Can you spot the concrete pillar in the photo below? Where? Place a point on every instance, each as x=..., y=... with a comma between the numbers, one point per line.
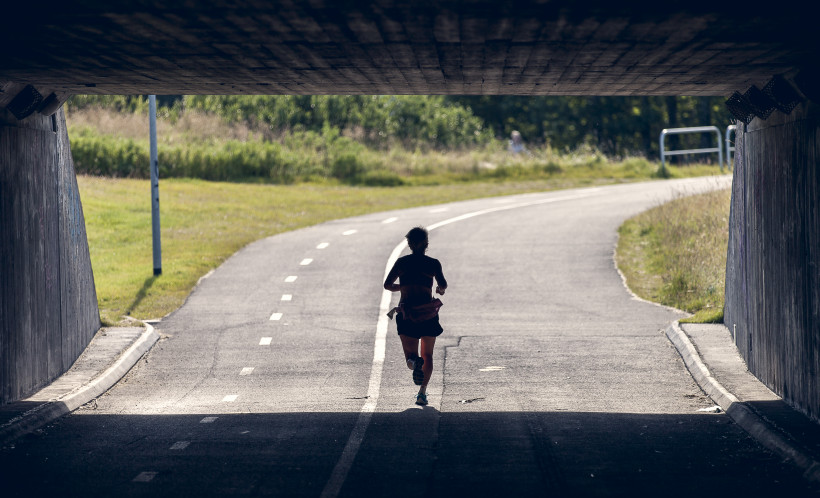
x=773, y=266
x=48, y=303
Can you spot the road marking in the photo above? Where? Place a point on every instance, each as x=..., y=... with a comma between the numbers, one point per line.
x=492, y=368
x=306, y=262
x=349, y=232
x=390, y=220
x=274, y=317
x=230, y=398
x=290, y=279
x=246, y=371
x=439, y=210
x=354, y=442
x=265, y=341
x=322, y=245
x=287, y=297
x=144, y=477
x=179, y=445
x=208, y=420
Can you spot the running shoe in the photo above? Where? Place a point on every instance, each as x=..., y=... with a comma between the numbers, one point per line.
x=418, y=375
x=421, y=399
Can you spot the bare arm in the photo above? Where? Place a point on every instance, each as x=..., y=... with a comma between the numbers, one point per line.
x=440, y=280
x=389, y=282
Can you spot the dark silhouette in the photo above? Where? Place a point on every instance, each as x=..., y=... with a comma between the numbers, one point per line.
x=417, y=313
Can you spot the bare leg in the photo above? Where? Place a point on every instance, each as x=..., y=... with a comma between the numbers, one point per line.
x=427, y=345
x=410, y=345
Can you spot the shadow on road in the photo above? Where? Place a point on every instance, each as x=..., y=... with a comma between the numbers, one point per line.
x=416, y=452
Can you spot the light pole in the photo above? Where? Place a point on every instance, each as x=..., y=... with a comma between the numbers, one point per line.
x=152, y=126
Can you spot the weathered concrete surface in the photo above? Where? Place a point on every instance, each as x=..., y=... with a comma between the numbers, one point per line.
x=555, y=47
x=110, y=355
x=711, y=356
x=48, y=304
x=773, y=267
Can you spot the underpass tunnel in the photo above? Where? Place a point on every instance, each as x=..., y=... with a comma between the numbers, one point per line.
x=759, y=61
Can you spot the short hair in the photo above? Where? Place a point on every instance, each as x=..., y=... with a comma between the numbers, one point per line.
x=417, y=238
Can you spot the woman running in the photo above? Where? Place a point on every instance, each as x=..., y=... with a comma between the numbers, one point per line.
x=417, y=317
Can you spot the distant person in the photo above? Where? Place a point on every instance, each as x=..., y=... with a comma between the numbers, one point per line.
x=417, y=312
x=516, y=143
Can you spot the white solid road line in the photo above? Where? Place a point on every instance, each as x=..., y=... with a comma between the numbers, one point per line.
x=323, y=245
x=389, y=220
x=290, y=279
x=349, y=232
x=229, y=398
x=208, y=420
x=179, y=445
x=265, y=341
x=276, y=316
x=354, y=442
x=246, y=371
x=306, y=262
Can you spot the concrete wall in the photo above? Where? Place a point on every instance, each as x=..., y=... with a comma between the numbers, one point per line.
x=773, y=267
x=48, y=304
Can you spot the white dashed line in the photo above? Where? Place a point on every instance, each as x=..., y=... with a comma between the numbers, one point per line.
x=246, y=371
x=322, y=245
x=491, y=368
x=230, y=398
x=349, y=232
x=287, y=297
x=439, y=210
x=274, y=317
x=390, y=220
x=306, y=262
x=179, y=445
x=290, y=279
x=144, y=477
x=208, y=420
x=265, y=341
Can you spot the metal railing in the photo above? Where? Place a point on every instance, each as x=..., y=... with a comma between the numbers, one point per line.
x=730, y=149
x=695, y=129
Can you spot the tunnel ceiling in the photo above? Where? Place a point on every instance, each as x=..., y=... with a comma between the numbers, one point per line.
x=401, y=47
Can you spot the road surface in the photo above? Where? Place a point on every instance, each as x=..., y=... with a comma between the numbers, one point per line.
x=550, y=378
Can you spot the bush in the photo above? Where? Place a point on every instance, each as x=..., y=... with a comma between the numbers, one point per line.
x=380, y=178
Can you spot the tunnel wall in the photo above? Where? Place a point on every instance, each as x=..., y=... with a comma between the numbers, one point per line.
x=48, y=303
x=773, y=265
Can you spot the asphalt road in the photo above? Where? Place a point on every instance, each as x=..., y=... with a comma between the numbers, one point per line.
x=550, y=378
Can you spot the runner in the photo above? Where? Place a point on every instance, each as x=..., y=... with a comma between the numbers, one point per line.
x=417, y=312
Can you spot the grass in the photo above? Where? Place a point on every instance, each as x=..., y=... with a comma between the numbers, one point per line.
x=203, y=223
x=675, y=254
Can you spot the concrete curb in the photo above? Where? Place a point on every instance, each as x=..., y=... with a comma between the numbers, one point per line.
x=738, y=411
x=67, y=403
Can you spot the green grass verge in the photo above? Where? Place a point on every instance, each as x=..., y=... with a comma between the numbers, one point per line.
x=675, y=254
x=204, y=222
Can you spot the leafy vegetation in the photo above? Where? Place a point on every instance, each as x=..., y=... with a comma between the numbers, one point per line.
x=675, y=254
x=202, y=145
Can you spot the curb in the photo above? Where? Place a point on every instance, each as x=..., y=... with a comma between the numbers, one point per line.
x=67, y=403
x=738, y=411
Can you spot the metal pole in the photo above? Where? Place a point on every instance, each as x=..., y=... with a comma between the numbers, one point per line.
x=152, y=126
x=663, y=154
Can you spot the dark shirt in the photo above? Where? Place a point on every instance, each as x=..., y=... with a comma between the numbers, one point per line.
x=415, y=273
